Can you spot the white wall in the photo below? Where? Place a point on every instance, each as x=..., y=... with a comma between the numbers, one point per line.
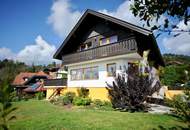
x=121, y=60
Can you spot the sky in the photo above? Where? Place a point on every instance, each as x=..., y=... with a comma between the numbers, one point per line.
x=32, y=30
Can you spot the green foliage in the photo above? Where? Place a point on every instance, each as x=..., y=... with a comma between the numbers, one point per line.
x=167, y=76
x=6, y=107
x=70, y=96
x=14, y=96
x=61, y=100
x=131, y=95
x=9, y=69
x=81, y=101
x=39, y=95
x=66, y=99
x=102, y=105
x=173, y=10
x=83, y=92
x=181, y=105
x=174, y=72
x=98, y=103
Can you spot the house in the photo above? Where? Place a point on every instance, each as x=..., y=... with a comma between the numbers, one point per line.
x=100, y=44
x=56, y=83
x=27, y=82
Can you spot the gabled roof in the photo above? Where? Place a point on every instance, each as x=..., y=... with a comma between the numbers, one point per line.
x=19, y=79
x=103, y=16
x=85, y=17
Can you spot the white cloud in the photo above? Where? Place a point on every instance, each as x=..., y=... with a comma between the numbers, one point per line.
x=182, y=26
x=178, y=45
x=40, y=52
x=6, y=53
x=62, y=17
x=123, y=12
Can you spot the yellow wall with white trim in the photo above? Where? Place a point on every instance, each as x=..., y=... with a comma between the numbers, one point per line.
x=94, y=93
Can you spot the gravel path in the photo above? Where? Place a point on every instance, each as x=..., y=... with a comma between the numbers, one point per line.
x=160, y=109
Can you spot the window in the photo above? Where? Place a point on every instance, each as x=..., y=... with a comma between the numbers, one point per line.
x=95, y=74
x=109, y=40
x=103, y=41
x=79, y=74
x=73, y=74
x=113, y=39
x=89, y=45
x=85, y=73
x=111, y=69
x=82, y=47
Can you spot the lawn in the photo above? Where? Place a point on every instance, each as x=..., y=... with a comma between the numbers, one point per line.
x=41, y=115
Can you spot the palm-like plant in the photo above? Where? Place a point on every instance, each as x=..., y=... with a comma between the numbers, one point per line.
x=131, y=94
x=6, y=107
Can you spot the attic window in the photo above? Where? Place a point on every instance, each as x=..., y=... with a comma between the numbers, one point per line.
x=113, y=39
x=109, y=40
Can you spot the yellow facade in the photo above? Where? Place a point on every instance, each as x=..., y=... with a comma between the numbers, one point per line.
x=94, y=92
x=49, y=92
x=171, y=93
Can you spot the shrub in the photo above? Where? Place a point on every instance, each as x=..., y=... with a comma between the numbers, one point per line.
x=83, y=92
x=132, y=94
x=70, y=96
x=102, y=105
x=81, y=101
x=39, y=95
x=181, y=105
x=98, y=103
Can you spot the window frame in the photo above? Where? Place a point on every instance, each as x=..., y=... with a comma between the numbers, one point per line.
x=83, y=74
x=108, y=73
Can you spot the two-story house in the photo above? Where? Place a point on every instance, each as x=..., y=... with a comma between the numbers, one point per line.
x=99, y=44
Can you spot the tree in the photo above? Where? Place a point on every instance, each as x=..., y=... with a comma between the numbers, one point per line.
x=174, y=11
x=130, y=95
x=181, y=106
x=6, y=107
x=178, y=65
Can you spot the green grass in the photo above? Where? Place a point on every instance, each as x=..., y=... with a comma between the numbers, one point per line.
x=41, y=115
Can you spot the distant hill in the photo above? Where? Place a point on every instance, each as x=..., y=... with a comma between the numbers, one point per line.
x=174, y=59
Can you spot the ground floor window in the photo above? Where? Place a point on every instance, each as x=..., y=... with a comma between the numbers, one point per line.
x=84, y=73
x=111, y=69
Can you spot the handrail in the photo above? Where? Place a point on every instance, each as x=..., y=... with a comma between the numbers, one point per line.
x=117, y=48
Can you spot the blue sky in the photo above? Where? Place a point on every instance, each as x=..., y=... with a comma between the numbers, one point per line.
x=26, y=26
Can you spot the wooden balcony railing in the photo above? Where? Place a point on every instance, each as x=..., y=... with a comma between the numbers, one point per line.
x=55, y=82
x=122, y=47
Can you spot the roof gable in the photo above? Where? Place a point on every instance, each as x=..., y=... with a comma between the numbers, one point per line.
x=92, y=13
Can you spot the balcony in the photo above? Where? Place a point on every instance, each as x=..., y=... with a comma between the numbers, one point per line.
x=55, y=82
x=118, y=48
